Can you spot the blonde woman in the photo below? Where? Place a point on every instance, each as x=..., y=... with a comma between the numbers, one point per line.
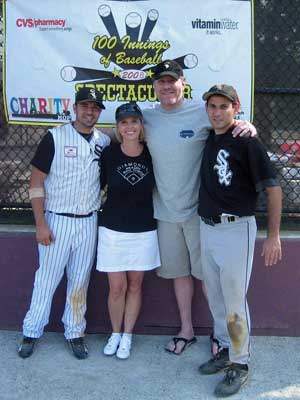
x=128, y=244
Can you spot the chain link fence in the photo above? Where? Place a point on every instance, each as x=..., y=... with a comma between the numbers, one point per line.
x=276, y=112
x=277, y=91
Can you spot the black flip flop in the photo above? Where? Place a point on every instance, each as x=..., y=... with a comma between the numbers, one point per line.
x=215, y=346
x=187, y=343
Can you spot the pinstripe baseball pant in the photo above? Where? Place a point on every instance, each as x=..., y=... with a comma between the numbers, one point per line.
x=74, y=250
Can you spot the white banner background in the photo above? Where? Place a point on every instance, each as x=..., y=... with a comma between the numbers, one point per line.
x=43, y=39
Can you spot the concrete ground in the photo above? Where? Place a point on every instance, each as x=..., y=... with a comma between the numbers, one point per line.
x=52, y=373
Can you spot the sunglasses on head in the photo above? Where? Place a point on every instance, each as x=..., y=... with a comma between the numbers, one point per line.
x=128, y=109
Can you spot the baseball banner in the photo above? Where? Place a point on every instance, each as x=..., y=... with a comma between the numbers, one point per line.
x=52, y=50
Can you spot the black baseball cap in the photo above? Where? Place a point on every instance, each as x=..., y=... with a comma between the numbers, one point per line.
x=89, y=94
x=167, y=68
x=128, y=110
x=222, y=90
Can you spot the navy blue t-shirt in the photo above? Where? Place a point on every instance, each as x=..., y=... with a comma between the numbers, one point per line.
x=130, y=180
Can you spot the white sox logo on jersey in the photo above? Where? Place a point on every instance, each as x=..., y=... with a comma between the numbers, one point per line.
x=98, y=151
x=222, y=168
x=133, y=172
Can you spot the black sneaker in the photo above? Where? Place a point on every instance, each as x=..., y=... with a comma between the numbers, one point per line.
x=236, y=377
x=219, y=362
x=26, y=347
x=79, y=348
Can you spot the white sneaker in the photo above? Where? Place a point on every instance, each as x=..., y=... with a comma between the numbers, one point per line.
x=112, y=344
x=124, y=348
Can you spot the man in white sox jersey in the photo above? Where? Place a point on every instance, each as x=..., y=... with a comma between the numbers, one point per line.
x=233, y=172
x=176, y=131
x=65, y=196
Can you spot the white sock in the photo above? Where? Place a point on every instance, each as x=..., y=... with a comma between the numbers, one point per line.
x=116, y=334
x=127, y=336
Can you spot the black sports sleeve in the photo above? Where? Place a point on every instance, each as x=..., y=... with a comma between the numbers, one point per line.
x=262, y=171
x=44, y=154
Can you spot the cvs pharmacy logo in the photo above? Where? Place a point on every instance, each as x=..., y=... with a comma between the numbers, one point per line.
x=25, y=23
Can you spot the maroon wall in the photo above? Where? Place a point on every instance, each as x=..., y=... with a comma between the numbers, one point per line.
x=273, y=294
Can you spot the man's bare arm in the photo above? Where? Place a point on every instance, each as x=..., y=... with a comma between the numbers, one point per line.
x=272, y=245
x=36, y=188
x=109, y=132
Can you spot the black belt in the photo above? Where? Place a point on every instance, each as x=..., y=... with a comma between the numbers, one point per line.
x=218, y=219
x=73, y=215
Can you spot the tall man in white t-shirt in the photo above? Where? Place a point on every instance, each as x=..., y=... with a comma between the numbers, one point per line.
x=176, y=131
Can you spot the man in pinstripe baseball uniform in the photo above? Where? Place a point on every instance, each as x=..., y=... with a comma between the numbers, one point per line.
x=65, y=196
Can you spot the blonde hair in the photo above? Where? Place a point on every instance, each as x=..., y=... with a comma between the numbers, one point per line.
x=141, y=135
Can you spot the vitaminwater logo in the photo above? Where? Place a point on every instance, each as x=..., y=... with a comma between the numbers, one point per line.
x=215, y=26
x=126, y=62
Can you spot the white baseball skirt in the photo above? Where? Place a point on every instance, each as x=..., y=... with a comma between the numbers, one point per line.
x=124, y=251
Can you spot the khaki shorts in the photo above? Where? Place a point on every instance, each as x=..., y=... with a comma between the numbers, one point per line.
x=179, y=244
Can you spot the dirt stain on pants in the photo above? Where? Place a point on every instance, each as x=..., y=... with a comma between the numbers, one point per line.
x=77, y=302
x=237, y=329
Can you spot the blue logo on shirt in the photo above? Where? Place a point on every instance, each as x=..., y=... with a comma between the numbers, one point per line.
x=187, y=133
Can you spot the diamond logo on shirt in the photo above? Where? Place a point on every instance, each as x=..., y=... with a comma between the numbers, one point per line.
x=133, y=172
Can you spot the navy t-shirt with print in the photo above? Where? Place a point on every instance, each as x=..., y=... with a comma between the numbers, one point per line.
x=130, y=180
x=233, y=172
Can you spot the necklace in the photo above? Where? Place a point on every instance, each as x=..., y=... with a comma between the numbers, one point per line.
x=132, y=151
